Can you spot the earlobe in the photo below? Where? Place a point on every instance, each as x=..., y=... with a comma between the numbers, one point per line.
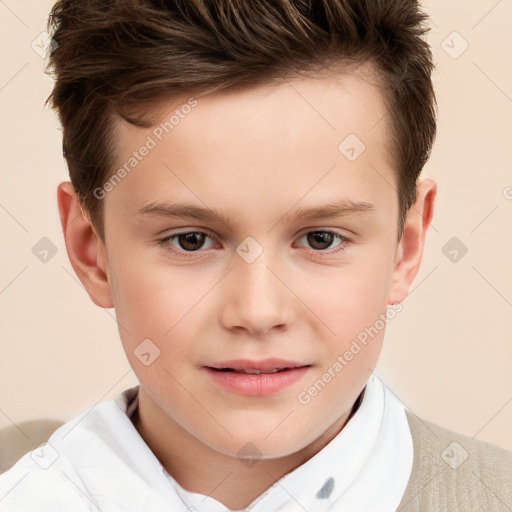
x=86, y=250
x=410, y=248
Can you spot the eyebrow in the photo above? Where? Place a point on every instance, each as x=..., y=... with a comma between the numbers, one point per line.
x=341, y=208
x=336, y=209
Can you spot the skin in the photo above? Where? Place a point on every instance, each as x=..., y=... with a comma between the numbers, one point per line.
x=257, y=154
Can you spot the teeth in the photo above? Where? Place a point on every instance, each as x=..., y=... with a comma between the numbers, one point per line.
x=249, y=370
x=275, y=370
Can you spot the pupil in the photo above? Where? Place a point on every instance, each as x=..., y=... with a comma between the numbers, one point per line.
x=320, y=237
x=191, y=241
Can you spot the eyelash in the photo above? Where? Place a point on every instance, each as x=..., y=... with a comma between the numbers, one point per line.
x=164, y=242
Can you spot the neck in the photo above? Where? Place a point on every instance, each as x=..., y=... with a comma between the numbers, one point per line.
x=199, y=468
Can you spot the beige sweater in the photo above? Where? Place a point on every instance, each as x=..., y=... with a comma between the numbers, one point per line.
x=455, y=473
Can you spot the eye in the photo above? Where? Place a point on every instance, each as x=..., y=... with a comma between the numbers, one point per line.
x=322, y=240
x=187, y=242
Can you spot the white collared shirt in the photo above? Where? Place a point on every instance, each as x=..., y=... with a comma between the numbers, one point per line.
x=99, y=462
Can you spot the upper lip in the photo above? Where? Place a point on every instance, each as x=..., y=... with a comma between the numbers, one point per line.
x=262, y=366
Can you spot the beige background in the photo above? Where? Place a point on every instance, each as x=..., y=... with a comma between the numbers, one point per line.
x=448, y=355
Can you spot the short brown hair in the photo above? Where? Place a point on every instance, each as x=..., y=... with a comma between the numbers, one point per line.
x=113, y=56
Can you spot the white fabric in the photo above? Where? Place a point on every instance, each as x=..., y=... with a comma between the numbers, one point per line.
x=99, y=462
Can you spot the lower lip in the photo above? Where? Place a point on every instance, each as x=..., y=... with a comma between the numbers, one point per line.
x=253, y=384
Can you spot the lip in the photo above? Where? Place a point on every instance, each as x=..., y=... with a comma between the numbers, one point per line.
x=254, y=384
x=263, y=366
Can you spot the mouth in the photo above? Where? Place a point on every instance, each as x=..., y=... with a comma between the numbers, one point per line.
x=266, y=366
x=256, y=378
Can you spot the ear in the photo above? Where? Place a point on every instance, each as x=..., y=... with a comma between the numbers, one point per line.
x=86, y=250
x=410, y=248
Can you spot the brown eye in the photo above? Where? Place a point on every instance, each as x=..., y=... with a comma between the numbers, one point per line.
x=191, y=241
x=188, y=244
x=320, y=240
x=325, y=242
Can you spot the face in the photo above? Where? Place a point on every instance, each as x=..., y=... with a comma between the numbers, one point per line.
x=258, y=227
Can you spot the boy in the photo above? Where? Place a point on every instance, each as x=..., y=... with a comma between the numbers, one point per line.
x=286, y=139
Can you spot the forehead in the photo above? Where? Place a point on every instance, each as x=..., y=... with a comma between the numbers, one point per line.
x=301, y=139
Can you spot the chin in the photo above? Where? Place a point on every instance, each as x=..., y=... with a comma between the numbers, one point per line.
x=255, y=447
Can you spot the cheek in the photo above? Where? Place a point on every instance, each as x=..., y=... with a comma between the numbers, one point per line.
x=350, y=298
x=166, y=306
x=151, y=311
x=151, y=298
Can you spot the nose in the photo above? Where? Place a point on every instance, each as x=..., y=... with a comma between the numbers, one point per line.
x=256, y=297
